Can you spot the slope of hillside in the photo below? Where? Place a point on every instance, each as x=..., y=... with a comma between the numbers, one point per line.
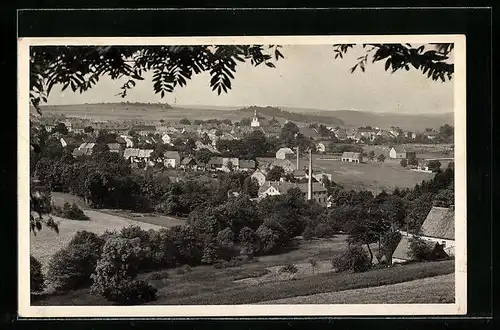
x=325, y=118
x=355, y=118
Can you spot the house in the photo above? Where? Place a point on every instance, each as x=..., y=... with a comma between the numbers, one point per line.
x=260, y=176
x=85, y=149
x=188, y=163
x=215, y=163
x=131, y=154
x=300, y=174
x=352, y=157
x=430, y=135
x=144, y=130
x=144, y=154
x=319, y=193
x=340, y=133
x=128, y=141
x=114, y=147
x=171, y=159
x=438, y=231
x=286, y=164
x=284, y=153
x=398, y=152
x=230, y=164
x=246, y=165
x=320, y=176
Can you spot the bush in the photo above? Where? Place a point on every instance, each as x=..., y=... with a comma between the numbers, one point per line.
x=37, y=280
x=71, y=267
x=115, y=273
x=249, y=241
x=354, y=259
x=268, y=239
x=235, y=262
x=324, y=230
x=68, y=211
x=403, y=162
x=289, y=268
x=419, y=249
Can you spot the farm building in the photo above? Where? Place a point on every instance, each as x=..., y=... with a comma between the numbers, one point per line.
x=438, y=231
x=284, y=153
x=171, y=159
x=231, y=163
x=136, y=154
x=260, y=176
x=215, y=163
x=401, y=153
x=352, y=157
x=114, y=147
x=286, y=164
x=319, y=193
x=246, y=165
x=85, y=149
x=188, y=163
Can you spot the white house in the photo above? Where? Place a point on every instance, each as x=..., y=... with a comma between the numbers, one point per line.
x=438, y=230
x=398, y=152
x=171, y=159
x=284, y=153
x=260, y=176
x=352, y=157
x=319, y=193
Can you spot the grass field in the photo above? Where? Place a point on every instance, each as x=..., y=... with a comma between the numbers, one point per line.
x=208, y=285
x=438, y=289
x=154, y=219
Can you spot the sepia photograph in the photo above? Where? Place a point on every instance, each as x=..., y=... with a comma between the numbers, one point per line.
x=242, y=176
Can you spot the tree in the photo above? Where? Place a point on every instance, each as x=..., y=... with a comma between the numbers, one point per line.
x=60, y=128
x=288, y=134
x=403, y=162
x=251, y=187
x=434, y=165
x=37, y=279
x=371, y=155
x=275, y=173
x=433, y=62
x=184, y=121
x=203, y=155
x=88, y=129
x=381, y=158
x=255, y=144
x=245, y=121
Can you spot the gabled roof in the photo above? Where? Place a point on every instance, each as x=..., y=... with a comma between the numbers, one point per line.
x=299, y=173
x=349, y=154
x=440, y=223
x=285, y=150
x=403, y=249
x=130, y=152
x=188, y=161
x=283, y=187
x=145, y=153
x=172, y=155
x=399, y=149
x=114, y=146
x=215, y=161
x=250, y=164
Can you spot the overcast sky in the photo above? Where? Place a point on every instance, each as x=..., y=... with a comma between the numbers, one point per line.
x=308, y=77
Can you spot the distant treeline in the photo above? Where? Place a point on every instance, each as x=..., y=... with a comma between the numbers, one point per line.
x=292, y=116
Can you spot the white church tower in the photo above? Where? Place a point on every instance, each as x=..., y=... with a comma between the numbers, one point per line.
x=255, y=120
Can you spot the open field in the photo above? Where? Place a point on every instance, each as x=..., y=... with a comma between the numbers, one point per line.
x=154, y=219
x=47, y=242
x=372, y=176
x=438, y=289
x=258, y=280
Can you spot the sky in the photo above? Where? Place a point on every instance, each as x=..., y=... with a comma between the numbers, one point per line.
x=308, y=77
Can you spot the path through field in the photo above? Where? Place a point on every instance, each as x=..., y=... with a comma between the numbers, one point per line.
x=439, y=289
x=47, y=242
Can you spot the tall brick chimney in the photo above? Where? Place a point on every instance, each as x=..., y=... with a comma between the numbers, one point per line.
x=309, y=190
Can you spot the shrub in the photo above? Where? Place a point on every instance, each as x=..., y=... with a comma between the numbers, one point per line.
x=69, y=211
x=189, y=247
x=225, y=237
x=324, y=230
x=289, y=268
x=268, y=238
x=354, y=259
x=37, y=280
x=115, y=273
x=210, y=254
x=419, y=249
x=235, y=262
x=249, y=241
x=71, y=267
x=403, y=162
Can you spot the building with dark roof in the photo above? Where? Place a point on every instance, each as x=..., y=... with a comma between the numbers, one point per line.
x=438, y=231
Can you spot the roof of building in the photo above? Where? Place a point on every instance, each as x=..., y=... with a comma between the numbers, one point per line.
x=244, y=163
x=172, y=155
x=399, y=149
x=299, y=173
x=145, y=153
x=215, y=161
x=282, y=163
x=130, y=152
x=283, y=187
x=349, y=154
x=440, y=223
x=403, y=249
x=114, y=146
x=285, y=150
x=78, y=152
x=187, y=161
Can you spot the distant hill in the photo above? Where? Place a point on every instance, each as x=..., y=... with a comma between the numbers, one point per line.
x=411, y=122
x=157, y=111
x=269, y=112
